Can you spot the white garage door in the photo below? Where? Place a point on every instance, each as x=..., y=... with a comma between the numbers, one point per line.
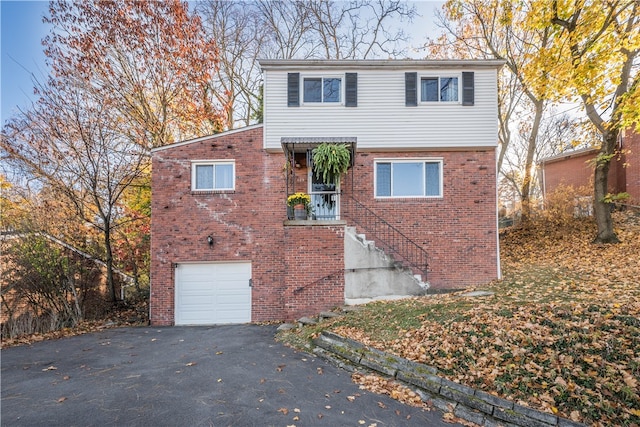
x=209, y=294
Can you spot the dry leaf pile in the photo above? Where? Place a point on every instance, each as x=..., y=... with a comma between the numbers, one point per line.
x=561, y=334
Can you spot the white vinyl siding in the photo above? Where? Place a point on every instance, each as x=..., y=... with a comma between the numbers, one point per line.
x=381, y=119
x=209, y=175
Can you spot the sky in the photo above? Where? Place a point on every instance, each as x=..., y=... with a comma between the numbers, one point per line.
x=21, y=51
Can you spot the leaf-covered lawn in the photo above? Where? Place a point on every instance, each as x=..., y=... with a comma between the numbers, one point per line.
x=561, y=333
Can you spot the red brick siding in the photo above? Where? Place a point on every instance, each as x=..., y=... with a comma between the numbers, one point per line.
x=314, y=259
x=458, y=230
x=577, y=170
x=246, y=224
x=298, y=270
x=631, y=143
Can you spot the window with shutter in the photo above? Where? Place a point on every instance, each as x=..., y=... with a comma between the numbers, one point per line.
x=321, y=90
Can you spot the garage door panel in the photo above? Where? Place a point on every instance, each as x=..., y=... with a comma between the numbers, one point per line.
x=213, y=293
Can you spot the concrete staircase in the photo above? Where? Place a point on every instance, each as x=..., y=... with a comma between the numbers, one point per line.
x=371, y=274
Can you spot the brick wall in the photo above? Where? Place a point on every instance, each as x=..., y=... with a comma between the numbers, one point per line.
x=577, y=170
x=247, y=225
x=297, y=270
x=459, y=230
x=631, y=142
x=314, y=259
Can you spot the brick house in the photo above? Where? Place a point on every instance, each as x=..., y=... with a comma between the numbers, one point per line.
x=420, y=194
x=576, y=168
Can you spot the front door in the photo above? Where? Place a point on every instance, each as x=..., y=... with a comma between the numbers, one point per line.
x=325, y=198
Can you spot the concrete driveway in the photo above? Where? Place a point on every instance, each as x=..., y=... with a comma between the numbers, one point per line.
x=187, y=376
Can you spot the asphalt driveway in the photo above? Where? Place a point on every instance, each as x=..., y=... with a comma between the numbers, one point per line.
x=187, y=376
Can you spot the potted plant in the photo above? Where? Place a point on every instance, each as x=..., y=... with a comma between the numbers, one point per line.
x=330, y=161
x=300, y=203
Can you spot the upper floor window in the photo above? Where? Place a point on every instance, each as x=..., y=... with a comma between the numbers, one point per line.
x=442, y=89
x=451, y=89
x=322, y=89
x=318, y=90
x=213, y=175
x=408, y=178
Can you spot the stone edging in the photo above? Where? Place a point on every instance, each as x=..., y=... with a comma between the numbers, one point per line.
x=469, y=404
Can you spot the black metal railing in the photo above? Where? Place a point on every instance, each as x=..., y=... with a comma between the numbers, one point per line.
x=387, y=237
x=325, y=205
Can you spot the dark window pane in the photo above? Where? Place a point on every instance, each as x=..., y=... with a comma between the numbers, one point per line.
x=312, y=90
x=429, y=90
x=383, y=179
x=449, y=89
x=433, y=179
x=331, y=88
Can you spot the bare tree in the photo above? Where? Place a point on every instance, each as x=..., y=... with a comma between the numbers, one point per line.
x=321, y=29
x=240, y=35
x=288, y=26
x=359, y=29
x=73, y=141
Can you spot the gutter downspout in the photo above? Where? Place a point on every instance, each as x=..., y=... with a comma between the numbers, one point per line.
x=499, y=267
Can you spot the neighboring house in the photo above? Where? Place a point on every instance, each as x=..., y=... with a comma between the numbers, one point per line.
x=419, y=197
x=576, y=169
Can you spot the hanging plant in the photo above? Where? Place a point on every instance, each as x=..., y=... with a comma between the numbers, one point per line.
x=330, y=161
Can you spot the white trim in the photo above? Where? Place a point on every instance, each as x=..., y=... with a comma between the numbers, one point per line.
x=206, y=138
x=439, y=160
x=350, y=64
x=195, y=163
x=498, y=263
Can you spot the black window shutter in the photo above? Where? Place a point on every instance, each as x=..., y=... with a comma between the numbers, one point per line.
x=293, y=90
x=411, y=89
x=468, y=90
x=351, y=89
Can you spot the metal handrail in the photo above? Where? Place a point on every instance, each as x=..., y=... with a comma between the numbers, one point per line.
x=393, y=241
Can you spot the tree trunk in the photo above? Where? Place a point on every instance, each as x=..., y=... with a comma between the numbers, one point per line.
x=531, y=149
x=109, y=262
x=602, y=210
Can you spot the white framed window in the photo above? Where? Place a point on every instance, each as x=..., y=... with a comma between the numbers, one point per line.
x=321, y=90
x=439, y=89
x=417, y=177
x=210, y=175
